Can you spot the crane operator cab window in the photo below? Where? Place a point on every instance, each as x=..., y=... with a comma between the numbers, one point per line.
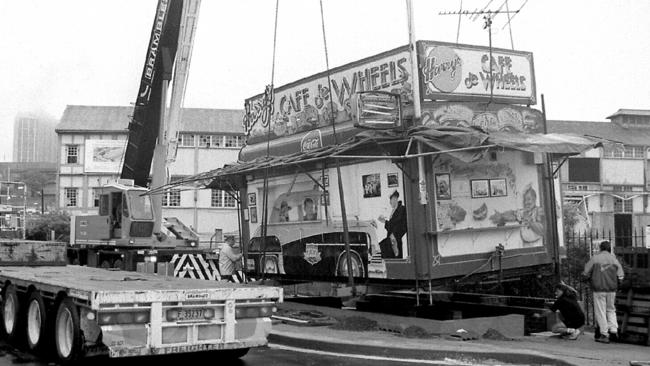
x=119, y=209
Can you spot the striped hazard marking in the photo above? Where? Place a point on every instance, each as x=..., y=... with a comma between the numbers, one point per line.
x=197, y=267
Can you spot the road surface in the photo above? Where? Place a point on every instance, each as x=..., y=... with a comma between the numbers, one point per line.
x=274, y=355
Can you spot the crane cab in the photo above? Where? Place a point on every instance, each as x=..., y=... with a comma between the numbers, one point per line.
x=125, y=218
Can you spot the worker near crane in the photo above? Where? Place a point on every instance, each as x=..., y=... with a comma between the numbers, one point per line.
x=228, y=259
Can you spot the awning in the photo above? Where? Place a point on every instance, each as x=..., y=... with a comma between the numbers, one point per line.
x=465, y=144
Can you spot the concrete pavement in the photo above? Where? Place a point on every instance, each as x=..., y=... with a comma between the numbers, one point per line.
x=508, y=347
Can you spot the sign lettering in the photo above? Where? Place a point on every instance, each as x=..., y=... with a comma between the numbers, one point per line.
x=314, y=104
x=461, y=72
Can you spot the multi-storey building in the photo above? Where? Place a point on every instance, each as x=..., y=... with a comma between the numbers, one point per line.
x=611, y=183
x=34, y=139
x=91, y=149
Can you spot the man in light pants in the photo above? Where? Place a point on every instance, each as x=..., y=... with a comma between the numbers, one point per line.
x=605, y=271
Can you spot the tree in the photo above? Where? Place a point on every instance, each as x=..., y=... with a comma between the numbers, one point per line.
x=36, y=181
x=57, y=221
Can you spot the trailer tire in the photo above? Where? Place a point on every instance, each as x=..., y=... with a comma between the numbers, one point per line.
x=36, y=322
x=67, y=332
x=11, y=313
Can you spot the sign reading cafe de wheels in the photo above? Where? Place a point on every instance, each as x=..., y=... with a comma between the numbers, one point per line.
x=450, y=71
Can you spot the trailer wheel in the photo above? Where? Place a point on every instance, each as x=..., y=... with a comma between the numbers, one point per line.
x=10, y=313
x=342, y=265
x=36, y=322
x=67, y=334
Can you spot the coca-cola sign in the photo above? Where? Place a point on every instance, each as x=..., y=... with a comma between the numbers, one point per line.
x=311, y=141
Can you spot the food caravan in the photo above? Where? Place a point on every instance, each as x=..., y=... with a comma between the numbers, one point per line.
x=481, y=202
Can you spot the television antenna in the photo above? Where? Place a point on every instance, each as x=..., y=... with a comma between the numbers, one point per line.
x=488, y=15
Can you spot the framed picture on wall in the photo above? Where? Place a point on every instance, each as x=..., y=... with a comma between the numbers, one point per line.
x=498, y=187
x=252, y=199
x=371, y=185
x=393, y=180
x=253, y=214
x=443, y=187
x=480, y=188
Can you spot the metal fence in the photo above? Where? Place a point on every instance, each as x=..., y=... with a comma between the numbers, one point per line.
x=629, y=247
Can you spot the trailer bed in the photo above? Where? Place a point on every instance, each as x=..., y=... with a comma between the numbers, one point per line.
x=97, y=286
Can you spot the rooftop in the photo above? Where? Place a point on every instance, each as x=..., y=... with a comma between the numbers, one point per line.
x=630, y=112
x=604, y=130
x=80, y=118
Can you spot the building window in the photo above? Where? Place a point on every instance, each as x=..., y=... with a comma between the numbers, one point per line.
x=621, y=205
x=96, y=193
x=72, y=154
x=187, y=140
x=626, y=152
x=222, y=199
x=204, y=141
x=229, y=200
x=217, y=140
x=71, y=197
x=172, y=198
x=233, y=141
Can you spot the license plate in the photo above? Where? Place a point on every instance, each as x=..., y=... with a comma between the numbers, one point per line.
x=191, y=314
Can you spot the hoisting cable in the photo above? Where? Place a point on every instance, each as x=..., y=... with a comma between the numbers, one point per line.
x=346, y=236
x=269, y=97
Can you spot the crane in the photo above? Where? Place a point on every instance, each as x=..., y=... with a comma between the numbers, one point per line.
x=130, y=226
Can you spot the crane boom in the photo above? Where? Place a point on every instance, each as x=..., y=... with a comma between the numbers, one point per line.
x=150, y=98
x=189, y=21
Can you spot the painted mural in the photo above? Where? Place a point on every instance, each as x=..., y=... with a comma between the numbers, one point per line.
x=310, y=104
x=489, y=117
x=307, y=221
x=499, y=192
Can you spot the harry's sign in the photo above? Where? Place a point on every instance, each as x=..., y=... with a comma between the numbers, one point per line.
x=460, y=72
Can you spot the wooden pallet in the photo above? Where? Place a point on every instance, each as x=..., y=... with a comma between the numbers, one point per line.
x=32, y=253
x=633, y=313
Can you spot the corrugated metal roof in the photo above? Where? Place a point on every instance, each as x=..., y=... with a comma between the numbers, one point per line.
x=81, y=118
x=604, y=130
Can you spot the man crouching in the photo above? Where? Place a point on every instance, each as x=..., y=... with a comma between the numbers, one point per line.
x=572, y=318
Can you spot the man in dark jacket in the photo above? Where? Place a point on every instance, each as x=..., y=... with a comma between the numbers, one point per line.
x=391, y=247
x=571, y=314
x=604, y=271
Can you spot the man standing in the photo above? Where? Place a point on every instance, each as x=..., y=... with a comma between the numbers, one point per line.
x=605, y=271
x=391, y=247
x=228, y=259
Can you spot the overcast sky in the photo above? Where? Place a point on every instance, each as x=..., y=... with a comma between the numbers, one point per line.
x=591, y=57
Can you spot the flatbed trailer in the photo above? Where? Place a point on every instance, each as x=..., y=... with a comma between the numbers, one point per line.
x=89, y=311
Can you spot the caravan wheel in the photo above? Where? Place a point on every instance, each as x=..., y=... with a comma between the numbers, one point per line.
x=342, y=265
